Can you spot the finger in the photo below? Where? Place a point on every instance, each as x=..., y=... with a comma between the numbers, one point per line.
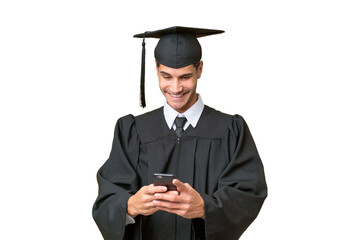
x=168, y=196
x=181, y=187
x=150, y=211
x=174, y=192
x=167, y=204
x=150, y=205
x=179, y=212
x=155, y=189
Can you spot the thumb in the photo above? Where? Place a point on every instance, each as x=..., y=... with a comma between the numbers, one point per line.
x=181, y=187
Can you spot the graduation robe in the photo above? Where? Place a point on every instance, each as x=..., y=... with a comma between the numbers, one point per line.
x=218, y=159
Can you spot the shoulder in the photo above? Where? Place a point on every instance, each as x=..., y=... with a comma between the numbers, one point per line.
x=145, y=126
x=125, y=127
x=220, y=123
x=125, y=121
x=152, y=115
x=140, y=119
x=214, y=114
x=220, y=118
x=151, y=125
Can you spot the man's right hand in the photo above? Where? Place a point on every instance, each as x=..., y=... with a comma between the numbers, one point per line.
x=142, y=201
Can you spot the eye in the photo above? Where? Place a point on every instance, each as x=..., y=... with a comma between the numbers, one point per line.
x=185, y=77
x=165, y=76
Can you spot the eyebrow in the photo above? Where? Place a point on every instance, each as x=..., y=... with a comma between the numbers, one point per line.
x=186, y=75
x=162, y=72
x=181, y=76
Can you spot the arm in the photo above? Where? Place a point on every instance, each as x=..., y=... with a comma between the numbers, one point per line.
x=117, y=181
x=241, y=187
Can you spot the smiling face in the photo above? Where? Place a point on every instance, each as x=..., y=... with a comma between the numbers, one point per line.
x=179, y=85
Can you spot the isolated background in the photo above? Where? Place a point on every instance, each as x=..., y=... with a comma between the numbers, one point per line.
x=69, y=69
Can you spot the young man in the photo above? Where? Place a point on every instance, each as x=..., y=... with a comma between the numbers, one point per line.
x=220, y=182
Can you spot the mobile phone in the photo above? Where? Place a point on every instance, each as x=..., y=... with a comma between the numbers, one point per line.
x=163, y=179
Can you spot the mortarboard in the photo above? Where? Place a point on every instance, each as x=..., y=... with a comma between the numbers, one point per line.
x=178, y=47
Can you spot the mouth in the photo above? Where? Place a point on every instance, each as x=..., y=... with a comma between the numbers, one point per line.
x=176, y=96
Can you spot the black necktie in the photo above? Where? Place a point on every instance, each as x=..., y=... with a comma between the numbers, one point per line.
x=179, y=122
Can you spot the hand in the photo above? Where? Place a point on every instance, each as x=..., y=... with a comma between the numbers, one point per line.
x=185, y=202
x=142, y=201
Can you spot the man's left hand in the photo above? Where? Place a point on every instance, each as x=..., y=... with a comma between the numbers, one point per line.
x=185, y=202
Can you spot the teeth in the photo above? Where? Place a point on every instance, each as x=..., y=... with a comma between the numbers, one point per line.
x=176, y=96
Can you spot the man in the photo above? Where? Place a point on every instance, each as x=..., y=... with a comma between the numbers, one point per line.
x=220, y=184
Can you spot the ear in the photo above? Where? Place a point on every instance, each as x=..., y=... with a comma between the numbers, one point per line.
x=200, y=69
x=157, y=68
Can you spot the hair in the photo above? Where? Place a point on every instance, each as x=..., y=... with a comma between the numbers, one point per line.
x=196, y=65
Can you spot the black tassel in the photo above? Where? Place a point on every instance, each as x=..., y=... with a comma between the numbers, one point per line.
x=142, y=77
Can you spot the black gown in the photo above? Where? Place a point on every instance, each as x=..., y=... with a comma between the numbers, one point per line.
x=218, y=158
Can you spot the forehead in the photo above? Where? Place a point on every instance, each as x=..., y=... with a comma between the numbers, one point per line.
x=177, y=71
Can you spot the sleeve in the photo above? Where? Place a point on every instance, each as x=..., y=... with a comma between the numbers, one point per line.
x=117, y=181
x=241, y=187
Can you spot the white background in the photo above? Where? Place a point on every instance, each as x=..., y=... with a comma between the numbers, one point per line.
x=69, y=69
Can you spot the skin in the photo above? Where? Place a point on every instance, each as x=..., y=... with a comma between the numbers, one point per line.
x=185, y=202
x=179, y=85
x=179, y=89
x=142, y=202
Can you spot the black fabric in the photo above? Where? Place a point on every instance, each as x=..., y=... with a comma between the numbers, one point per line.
x=218, y=158
x=178, y=46
x=178, y=50
x=197, y=32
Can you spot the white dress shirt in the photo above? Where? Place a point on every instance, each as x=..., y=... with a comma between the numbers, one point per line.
x=192, y=114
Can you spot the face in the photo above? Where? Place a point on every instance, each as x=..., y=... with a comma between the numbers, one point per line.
x=179, y=85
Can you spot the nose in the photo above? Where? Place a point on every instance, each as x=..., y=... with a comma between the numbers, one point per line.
x=176, y=86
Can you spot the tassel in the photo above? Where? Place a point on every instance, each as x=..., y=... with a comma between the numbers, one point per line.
x=142, y=77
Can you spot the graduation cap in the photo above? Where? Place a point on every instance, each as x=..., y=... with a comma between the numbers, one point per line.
x=178, y=47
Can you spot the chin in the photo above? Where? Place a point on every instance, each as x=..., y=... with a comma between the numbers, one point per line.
x=181, y=104
x=177, y=106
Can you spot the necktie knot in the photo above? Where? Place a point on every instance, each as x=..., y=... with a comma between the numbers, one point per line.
x=179, y=123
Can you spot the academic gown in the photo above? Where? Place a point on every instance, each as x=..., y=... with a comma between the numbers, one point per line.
x=218, y=159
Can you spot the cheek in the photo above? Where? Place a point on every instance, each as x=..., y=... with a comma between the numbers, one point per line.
x=192, y=85
x=162, y=85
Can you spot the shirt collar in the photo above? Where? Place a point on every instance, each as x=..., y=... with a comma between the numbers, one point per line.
x=192, y=114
